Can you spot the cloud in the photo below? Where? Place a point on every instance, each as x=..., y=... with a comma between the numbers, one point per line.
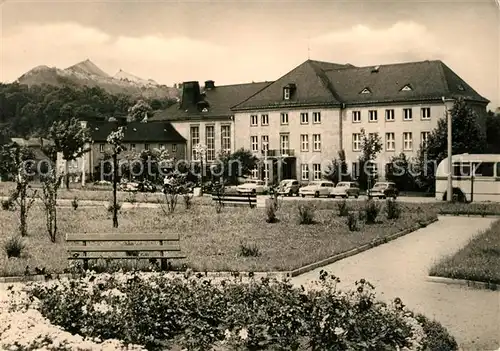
x=360, y=44
x=64, y=44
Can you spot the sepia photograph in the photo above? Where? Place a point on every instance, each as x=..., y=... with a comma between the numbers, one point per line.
x=261, y=175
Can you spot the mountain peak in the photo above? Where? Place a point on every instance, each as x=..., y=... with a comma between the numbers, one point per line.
x=125, y=76
x=88, y=67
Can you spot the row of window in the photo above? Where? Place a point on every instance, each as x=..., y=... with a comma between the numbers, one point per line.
x=285, y=142
x=304, y=119
x=133, y=147
x=481, y=169
x=425, y=113
x=390, y=140
x=210, y=141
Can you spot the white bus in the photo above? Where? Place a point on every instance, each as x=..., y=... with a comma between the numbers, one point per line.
x=475, y=177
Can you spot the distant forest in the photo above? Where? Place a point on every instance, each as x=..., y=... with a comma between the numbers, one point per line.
x=30, y=111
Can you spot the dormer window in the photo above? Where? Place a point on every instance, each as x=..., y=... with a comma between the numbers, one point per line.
x=461, y=87
x=407, y=87
x=365, y=91
x=204, y=109
x=286, y=93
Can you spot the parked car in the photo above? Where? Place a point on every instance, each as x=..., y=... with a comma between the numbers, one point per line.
x=289, y=187
x=317, y=188
x=346, y=189
x=383, y=190
x=251, y=186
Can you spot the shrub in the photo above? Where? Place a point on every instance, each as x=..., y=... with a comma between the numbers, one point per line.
x=271, y=213
x=306, y=214
x=8, y=205
x=393, y=209
x=74, y=203
x=371, y=210
x=353, y=222
x=438, y=337
x=249, y=250
x=111, y=207
x=14, y=246
x=343, y=208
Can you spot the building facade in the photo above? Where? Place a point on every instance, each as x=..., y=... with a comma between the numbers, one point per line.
x=311, y=113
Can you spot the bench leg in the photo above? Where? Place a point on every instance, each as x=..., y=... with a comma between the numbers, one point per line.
x=164, y=264
x=85, y=264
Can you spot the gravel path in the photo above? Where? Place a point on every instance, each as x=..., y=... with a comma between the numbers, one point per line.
x=399, y=269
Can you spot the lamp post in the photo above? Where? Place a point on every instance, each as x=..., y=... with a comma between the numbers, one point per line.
x=266, y=173
x=448, y=105
x=201, y=150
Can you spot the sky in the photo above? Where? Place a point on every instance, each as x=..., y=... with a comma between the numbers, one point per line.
x=236, y=42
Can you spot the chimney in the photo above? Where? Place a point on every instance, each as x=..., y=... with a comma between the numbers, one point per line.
x=209, y=85
x=190, y=94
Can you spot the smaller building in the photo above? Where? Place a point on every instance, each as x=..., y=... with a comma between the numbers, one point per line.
x=138, y=136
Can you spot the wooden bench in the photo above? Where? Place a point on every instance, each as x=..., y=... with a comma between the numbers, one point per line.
x=237, y=199
x=168, y=247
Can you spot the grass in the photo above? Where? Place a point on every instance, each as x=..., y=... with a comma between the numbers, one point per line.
x=211, y=241
x=479, y=260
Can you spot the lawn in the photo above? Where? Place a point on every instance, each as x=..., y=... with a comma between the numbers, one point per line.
x=479, y=260
x=211, y=241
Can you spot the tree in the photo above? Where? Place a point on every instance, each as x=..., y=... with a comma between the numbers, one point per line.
x=400, y=170
x=467, y=137
x=337, y=171
x=115, y=139
x=231, y=166
x=50, y=185
x=140, y=110
x=371, y=145
x=70, y=139
x=493, y=132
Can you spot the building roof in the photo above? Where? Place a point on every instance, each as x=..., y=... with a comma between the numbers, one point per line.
x=31, y=142
x=311, y=84
x=321, y=83
x=137, y=132
x=220, y=100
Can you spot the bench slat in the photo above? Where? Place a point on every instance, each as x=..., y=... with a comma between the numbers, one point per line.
x=245, y=197
x=127, y=257
x=123, y=248
x=121, y=237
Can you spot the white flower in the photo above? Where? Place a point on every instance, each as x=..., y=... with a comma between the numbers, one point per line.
x=227, y=334
x=338, y=331
x=102, y=307
x=243, y=334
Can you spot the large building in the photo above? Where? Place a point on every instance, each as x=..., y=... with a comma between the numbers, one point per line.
x=311, y=113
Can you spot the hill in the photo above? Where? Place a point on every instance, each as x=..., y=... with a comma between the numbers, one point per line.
x=86, y=73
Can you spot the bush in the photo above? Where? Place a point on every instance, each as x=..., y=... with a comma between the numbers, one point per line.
x=371, y=211
x=249, y=250
x=343, y=208
x=353, y=222
x=111, y=207
x=438, y=337
x=306, y=214
x=14, y=246
x=8, y=205
x=74, y=203
x=393, y=209
x=168, y=311
x=271, y=213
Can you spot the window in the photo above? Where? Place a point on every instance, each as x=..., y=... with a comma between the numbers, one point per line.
x=210, y=142
x=284, y=118
x=407, y=141
x=304, y=118
x=304, y=142
x=389, y=115
x=284, y=143
x=461, y=169
x=146, y=146
x=174, y=147
x=424, y=136
x=286, y=93
x=484, y=169
x=160, y=146
x=317, y=142
x=316, y=117
x=101, y=147
x=254, y=120
x=316, y=171
x=407, y=116
x=356, y=141
x=372, y=116
x=425, y=112
x=195, y=140
x=390, y=141
x=254, y=142
x=355, y=170
x=264, y=120
x=132, y=147
x=265, y=142
x=255, y=173
x=406, y=88
x=266, y=170
x=356, y=116
x=498, y=169
x=226, y=138
x=304, y=171
x=365, y=91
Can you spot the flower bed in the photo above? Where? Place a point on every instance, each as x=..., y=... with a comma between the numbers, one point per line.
x=167, y=311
